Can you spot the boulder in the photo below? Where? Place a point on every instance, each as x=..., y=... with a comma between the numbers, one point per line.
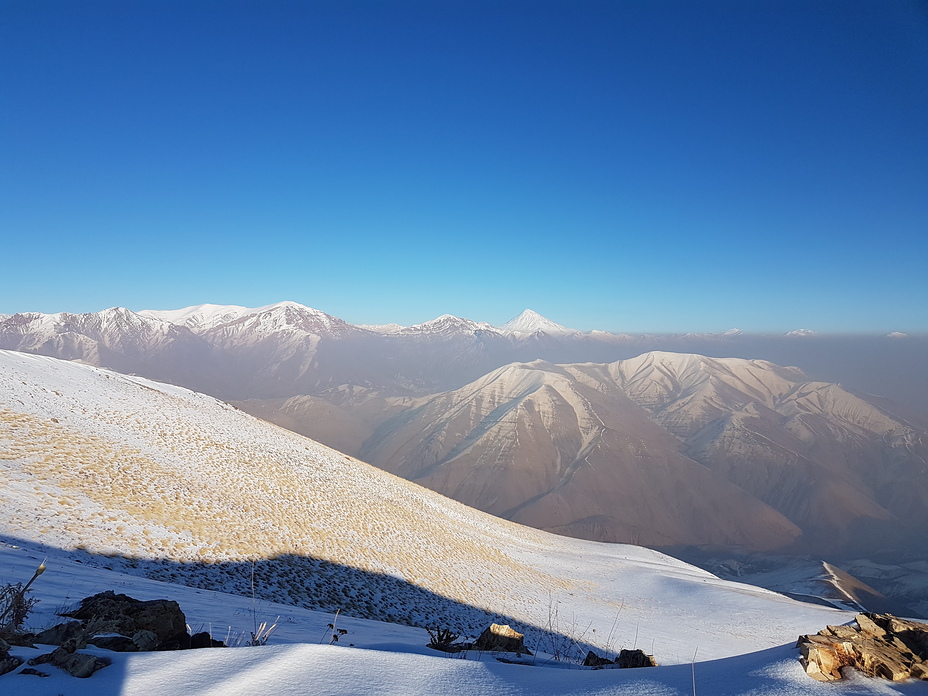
x=880, y=645
x=70, y=631
x=501, y=638
x=179, y=641
x=594, y=660
x=9, y=662
x=628, y=659
x=126, y=615
x=205, y=640
x=115, y=642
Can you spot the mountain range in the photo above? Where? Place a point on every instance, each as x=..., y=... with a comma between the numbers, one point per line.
x=149, y=479
x=579, y=433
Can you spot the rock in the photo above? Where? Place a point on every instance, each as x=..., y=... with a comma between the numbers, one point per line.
x=76, y=664
x=116, y=643
x=205, y=640
x=12, y=637
x=81, y=665
x=8, y=663
x=55, y=657
x=70, y=631
x=880, y=645
x=841, y=631
x=145, y=640
x=594, y=660
x=34, y=672
x=629, y=659
x=180, y=641
x=501, y=638
x=126, y=615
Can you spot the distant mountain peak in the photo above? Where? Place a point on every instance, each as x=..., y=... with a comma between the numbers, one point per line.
x=801, y=332
x=530, y=321
x=447, y=324
x=201, y=316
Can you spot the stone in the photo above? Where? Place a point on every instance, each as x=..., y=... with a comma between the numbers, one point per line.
x=116, y=643
x=81, y=665
x=8, y=663
x=76, y=664
x=869, y=626
x=180, y=641
x=594, y=660
x=70, y=631
x=501, y=638
x=880, y=645
x=628, y=659
x=205, y=640
x=145, y=640
x=33, y=672
x=126, y=615
x=841, y=631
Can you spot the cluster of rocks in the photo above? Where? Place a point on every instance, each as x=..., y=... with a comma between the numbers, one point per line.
x=626, y=659
x=7, y=662
x=880, y=645
x=113, y=622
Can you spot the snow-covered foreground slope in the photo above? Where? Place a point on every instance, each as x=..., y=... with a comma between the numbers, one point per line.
x=383, y=658
x=195, y=490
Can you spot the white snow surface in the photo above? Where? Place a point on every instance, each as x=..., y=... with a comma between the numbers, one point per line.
x=371, y=658
x=126, y=466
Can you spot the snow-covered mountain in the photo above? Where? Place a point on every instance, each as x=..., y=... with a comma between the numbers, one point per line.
x=531, y=322
x=237, y=357
x=321, y=376
x=668, y=449
x=155, y=480
x=198, y=317
x=117, y=338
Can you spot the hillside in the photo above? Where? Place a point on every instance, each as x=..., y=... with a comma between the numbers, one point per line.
x=662, y=449
x=155, y=480
x=378, y=658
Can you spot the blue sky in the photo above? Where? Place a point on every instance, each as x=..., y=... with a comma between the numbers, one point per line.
x=628, y=166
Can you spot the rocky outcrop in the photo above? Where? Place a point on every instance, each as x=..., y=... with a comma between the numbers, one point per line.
x=126, y=616
x=880, y=645
x=502, y=638
x=629, y=659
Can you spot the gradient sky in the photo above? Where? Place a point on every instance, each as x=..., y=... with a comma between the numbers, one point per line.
x=628, y=166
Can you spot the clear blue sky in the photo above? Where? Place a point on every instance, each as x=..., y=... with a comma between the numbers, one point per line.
x=630, y=166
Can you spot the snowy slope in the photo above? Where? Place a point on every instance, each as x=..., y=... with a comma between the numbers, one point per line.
x=194, y=491
x=383, y=658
